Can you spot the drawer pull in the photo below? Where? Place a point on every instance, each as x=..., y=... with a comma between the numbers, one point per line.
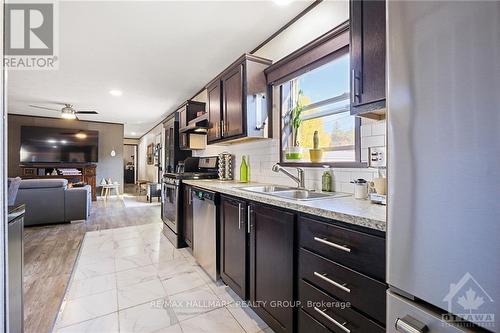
x=337, y=246
x=336, y=284
x=342, y=326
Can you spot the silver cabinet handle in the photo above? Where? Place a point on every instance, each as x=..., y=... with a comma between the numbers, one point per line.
x=336, y=284
x=354, y=87
x=353, y=84
x=337, y=246
x=408, y=324
x=190, y=199
x=249, y=221
x=239, y=215
x=339, y=325
x=223, y=130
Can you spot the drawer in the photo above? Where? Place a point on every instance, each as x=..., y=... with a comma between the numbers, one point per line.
x=337, y=316
x=357, y=250
x=364, y=293
x=307, y=324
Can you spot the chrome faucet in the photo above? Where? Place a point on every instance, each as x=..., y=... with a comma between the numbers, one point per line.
x=299, y=179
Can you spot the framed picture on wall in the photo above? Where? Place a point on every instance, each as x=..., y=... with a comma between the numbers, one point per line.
x=150, y=152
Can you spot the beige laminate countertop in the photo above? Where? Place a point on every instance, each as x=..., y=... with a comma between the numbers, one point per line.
x=345, y=209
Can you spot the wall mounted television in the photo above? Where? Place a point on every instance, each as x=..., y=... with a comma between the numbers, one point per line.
x=58, y=145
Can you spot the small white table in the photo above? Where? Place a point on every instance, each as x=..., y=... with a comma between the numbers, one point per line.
x=106, y=189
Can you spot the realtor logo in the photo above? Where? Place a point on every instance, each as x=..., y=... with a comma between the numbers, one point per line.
x=30, y=35
x=468, y=300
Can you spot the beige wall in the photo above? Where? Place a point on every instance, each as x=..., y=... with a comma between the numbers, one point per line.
x=127, y=141
x=110, y=137
x=149, y=172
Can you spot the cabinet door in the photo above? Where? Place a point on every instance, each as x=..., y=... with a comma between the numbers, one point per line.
x=234, y=245
x=232, y=84
x=271, y=265
x=214, y=112
x=368, y=51
x=182, y=117
x=188, y=216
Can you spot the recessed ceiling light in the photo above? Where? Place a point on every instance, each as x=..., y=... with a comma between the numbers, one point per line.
x=282, y=2
x=133, y=133
x=115, y=92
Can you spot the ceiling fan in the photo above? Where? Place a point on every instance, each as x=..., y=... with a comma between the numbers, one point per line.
x=67, y=111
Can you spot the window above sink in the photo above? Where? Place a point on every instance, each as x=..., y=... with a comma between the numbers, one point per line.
x=312, y=86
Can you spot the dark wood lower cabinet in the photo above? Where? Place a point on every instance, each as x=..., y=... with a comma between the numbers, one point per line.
x=307, y=324
x=294, y=272
x=335, y=314
x=233, y=265
x=272, y=265
x=187, y=226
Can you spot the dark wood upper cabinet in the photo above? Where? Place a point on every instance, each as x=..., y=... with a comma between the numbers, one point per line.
x=232, y=92
x=214, y=109
x=187, y=227
x=189, y=111
x=233, y=265
x=272, y=265
x=368, y=53
x=238, y=102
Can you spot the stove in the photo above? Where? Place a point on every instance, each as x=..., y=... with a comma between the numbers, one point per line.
x=172, y=195
x=190, y=175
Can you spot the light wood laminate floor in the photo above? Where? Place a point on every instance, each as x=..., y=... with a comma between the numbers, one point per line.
x=50, y=253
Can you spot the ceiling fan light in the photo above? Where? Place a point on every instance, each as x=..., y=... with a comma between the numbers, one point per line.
x=68, y=115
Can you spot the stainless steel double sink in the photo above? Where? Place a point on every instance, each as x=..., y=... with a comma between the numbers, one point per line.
x=292, y=193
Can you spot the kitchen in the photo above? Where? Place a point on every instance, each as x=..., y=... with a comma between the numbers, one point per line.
x=267, y=216
x=320, y=166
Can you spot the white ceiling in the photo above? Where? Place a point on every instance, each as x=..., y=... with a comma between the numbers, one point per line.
x=158, y=53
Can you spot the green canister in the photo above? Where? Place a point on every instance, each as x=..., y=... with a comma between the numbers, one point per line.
x=326, y=180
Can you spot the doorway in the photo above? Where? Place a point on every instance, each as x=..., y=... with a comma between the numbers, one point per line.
x=129, y=165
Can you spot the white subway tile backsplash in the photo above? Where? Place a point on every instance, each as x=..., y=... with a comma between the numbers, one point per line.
x=264, y=154
x=364, y=154
x=347, y=187
x=362, y=175
x=378, y=128
x=341, y=176
x=366, y=130
x=373, y=141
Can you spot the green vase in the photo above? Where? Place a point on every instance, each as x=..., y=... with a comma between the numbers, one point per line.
x=243, y=170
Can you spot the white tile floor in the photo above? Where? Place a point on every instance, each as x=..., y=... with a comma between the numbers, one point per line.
x=133, y=280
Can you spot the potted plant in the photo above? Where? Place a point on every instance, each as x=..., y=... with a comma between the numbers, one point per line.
x=316, y=153
x=294, y=152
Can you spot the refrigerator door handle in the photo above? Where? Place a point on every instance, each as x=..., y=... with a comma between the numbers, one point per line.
x=408, y=324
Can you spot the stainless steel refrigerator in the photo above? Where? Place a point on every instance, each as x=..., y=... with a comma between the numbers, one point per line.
x=443, y=101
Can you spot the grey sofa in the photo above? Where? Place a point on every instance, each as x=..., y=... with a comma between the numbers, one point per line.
x=52, y=201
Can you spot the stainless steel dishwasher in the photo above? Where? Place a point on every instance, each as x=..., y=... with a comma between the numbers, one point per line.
x=205, y=230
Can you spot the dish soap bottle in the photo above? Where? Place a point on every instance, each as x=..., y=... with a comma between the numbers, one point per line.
x=243, y=170
x=326, y=180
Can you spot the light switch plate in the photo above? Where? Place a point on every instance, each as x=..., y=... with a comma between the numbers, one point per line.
x=377, y=157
